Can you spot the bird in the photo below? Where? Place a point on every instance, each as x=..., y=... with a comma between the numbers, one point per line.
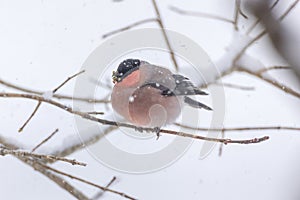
x=148, y=95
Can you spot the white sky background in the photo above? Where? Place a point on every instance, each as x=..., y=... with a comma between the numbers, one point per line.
x=43, y=42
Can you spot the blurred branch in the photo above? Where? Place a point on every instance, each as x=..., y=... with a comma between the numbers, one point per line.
x=87, y=182
x=236, y=14
x=259, y=19
x=240, y=11
x=199, y=14
x=282, y=37
x=118, y=124
x=290, y=8
x=251, y=42
x=144, y=21
x=78, y=146
x=99, y=194
x=56, y=179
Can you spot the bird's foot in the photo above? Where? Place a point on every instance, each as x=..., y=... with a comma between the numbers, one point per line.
x=139, y=129
x=157, y=131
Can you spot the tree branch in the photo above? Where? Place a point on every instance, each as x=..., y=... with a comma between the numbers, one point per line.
x=99, y=194
x=160, y=23
x=255, y=128
x=87, y=182
x=118, y=124
x=271, y=81
x=17, y=153
x=58, y=96
x=56, y=179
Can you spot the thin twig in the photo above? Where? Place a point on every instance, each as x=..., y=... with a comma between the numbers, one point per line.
x=87, y=182
x=77, y=146
x=30, y=117
x=272, y=68
x=291, y=7
x=271, y=81
x=4, y=151
x=67, y=80
x=250, y=43
x=118, y=124
x=241, y=11
x=99, y=194
x=160, y=23
x=44, y=141
x=199, y=14
x=236, y=14
x=144, y=21
x=39, y=103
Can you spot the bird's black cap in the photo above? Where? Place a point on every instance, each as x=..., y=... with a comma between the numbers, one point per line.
x=125, y=68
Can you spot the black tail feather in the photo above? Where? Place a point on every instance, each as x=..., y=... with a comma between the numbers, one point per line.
x=195, y=104
x=198, y=91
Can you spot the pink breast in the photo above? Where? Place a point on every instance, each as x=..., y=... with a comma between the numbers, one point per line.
x=130, y=80
x=150, y=108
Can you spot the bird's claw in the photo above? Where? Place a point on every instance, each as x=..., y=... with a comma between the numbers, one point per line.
x=157, y=131
x=139, y=129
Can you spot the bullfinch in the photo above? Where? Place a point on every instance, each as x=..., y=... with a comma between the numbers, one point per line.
x=151, y=96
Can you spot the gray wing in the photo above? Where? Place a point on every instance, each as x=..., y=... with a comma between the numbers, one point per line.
x=184, y=87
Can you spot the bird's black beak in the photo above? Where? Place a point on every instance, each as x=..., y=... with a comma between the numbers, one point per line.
x=116, y=77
